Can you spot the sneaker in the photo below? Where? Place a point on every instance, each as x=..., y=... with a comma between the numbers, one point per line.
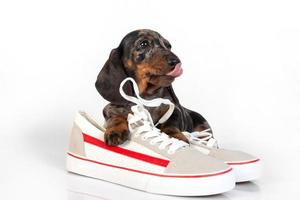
x=245, y=166
x=150, y=161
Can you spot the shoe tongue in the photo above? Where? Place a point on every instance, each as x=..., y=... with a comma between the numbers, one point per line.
x=212, y=142
x=139, y=111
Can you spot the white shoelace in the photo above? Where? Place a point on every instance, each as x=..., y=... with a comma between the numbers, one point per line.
x=140, y=123
x=201, y=137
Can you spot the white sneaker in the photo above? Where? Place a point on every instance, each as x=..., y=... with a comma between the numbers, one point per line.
x=149, y=161
x=245, y=166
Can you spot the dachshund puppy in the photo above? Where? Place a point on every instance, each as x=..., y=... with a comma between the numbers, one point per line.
x=147, y=57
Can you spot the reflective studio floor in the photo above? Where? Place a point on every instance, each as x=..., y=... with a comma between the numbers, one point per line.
x=32, y=174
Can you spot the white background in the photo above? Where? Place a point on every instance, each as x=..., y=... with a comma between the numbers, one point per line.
x=241, y=63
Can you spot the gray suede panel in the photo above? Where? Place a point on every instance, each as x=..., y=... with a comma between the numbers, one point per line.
x=230, y=155
x=185, y=161
x=191, y=161
x=76, y=144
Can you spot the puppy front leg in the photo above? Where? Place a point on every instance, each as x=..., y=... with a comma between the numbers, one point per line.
x=174, y=132
x=199, y=122
x=116, y=130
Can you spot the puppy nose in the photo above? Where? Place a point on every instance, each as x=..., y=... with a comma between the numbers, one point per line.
x=173, y=61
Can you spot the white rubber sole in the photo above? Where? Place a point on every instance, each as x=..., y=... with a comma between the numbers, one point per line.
x=247, y=171
x=196, y=185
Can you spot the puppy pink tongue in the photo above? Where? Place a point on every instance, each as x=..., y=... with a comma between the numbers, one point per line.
x=177, y=71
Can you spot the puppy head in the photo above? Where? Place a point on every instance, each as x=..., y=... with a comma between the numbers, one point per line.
x=149, y=57
x=144, y=55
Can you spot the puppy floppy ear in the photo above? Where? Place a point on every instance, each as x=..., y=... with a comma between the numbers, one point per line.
x=110, y=77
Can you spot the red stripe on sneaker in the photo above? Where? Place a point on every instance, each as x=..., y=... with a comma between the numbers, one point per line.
x=243, y=163
x=149, y=173
x=146, y=158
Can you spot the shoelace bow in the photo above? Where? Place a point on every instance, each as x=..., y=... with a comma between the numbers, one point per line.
x=141, y=124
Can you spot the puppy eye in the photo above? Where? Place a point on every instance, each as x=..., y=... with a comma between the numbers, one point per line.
x=144, y=44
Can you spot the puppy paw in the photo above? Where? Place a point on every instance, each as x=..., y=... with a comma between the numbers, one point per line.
x=114, y=138
x=180, y=136
x=174, y=132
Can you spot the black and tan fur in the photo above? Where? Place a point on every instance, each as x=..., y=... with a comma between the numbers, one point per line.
x=147, y=57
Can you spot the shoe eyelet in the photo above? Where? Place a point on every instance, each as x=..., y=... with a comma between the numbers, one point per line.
x=152, y=143
x=170, y=152
x=144, y=138
x=161, y=148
